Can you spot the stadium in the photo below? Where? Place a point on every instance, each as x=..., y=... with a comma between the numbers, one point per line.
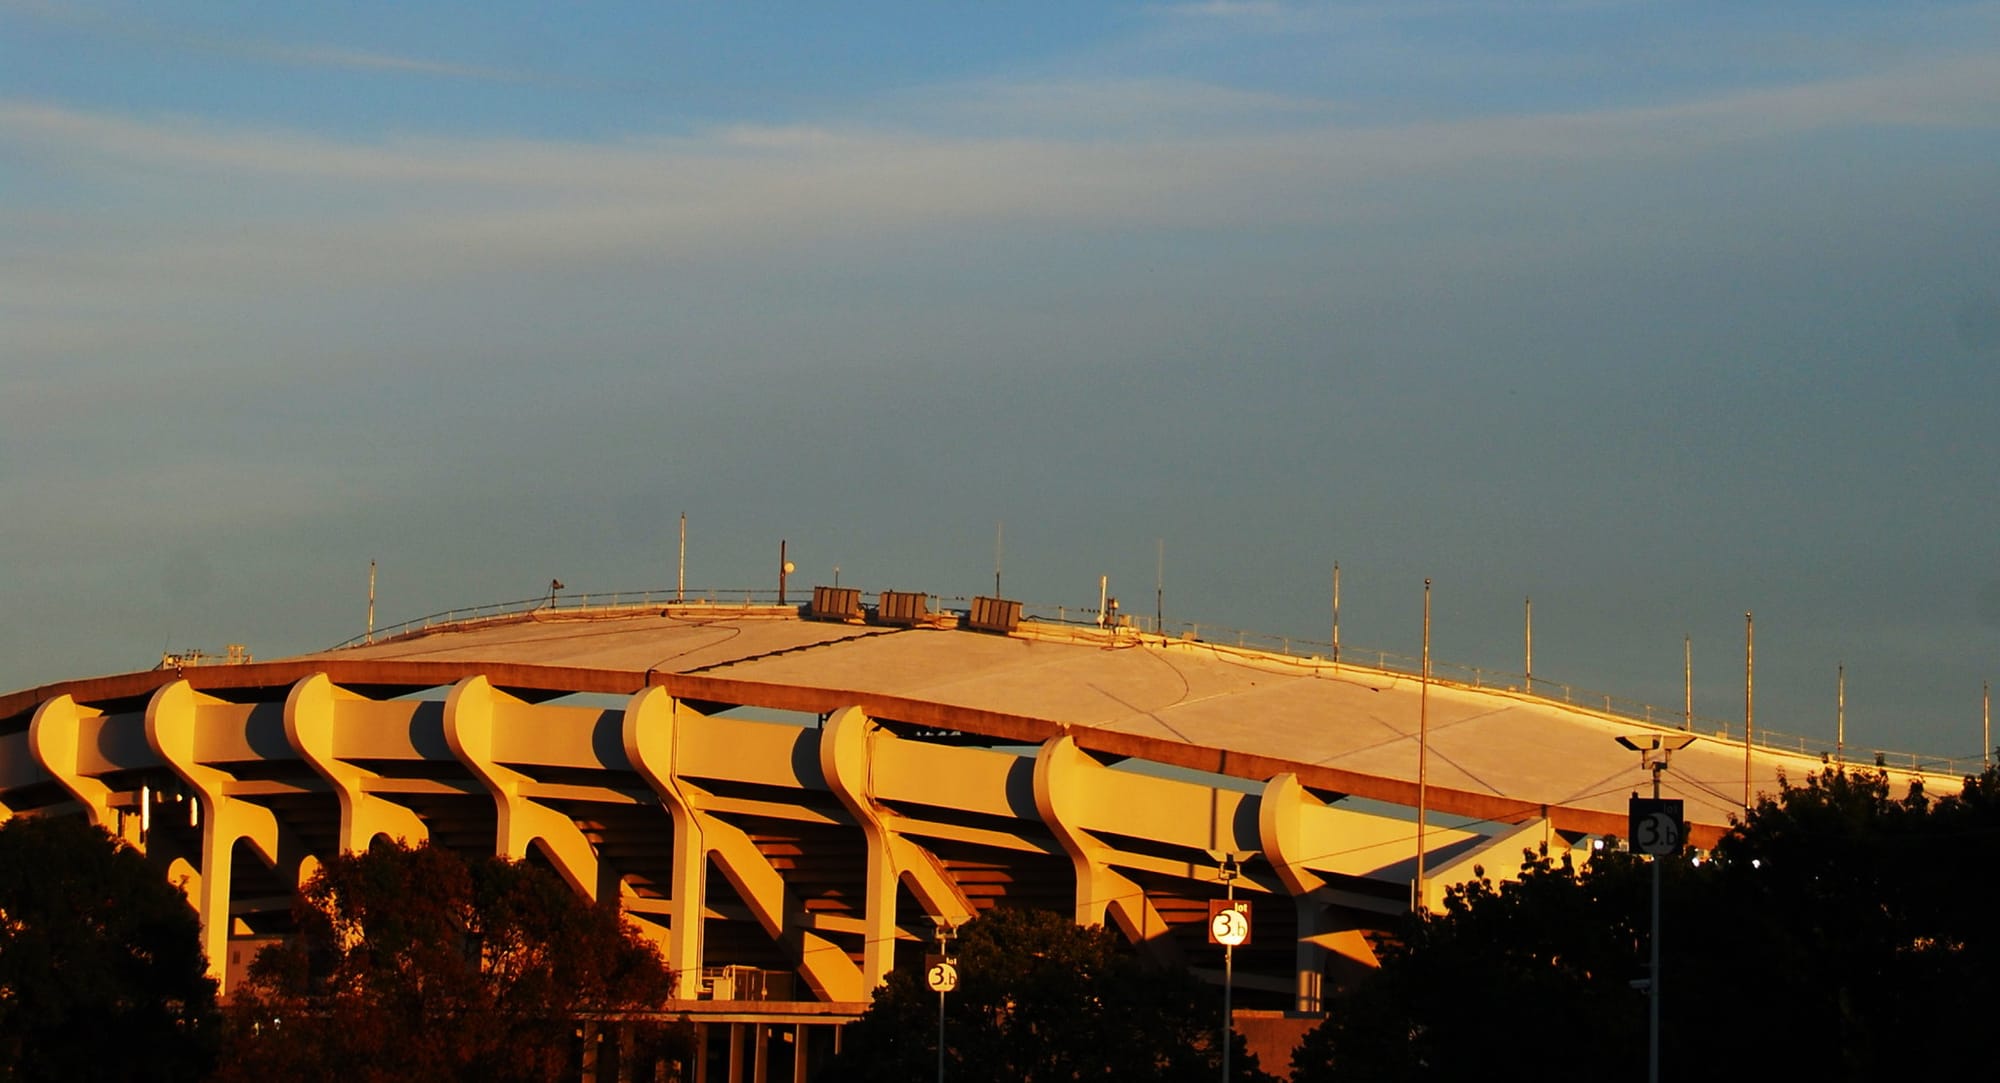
x=792, y=799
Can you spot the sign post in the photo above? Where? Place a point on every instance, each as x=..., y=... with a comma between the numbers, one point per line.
x=941, y=974
x=1655, y=828
x=1228, y=925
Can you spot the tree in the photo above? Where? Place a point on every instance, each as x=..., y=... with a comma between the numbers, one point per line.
x=1487, y=981
x=1862, y=919
x=414, y=964
x=1042, y=999
x=1839, y=931
x=101, y=968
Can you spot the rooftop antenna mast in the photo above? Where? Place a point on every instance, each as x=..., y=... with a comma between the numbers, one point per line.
x=1840, y=713
x=1336, y=614
x=1423, y=747
x=1749, y=701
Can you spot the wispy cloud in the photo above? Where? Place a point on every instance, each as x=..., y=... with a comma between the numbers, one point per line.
x=1226, y=9
x=158, y=34
x=181, y=214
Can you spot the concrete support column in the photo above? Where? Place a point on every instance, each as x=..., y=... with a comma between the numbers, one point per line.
x=170, y=730
x=52, y=737
x=310, y=711
x=1060, y=796
x=651, y=735
x=1309, y=995
x=1064, y=798
x=844, y=752
x=1281, y=834
x=470, y=713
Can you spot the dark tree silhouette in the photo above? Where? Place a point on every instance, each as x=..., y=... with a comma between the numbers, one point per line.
x=414, y=964
x=101, y=969
x=1042, y=999
x=1840, y=932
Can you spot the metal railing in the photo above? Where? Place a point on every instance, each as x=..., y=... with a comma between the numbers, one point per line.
x=556, y=603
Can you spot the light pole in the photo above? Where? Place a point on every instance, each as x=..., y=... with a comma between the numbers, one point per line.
x=785, y=568
x=941, y=974
x=1228, y=926
x=1655, y=830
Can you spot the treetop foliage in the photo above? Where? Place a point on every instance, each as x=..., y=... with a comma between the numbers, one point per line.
x=1042, y=999
x=1839, y=931
x=101, y=968
x=414, y=963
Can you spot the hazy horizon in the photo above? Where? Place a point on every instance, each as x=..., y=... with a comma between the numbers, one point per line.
x=1655, y=313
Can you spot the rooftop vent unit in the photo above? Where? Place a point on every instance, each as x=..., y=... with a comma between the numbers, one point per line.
x=902, y=607
x=835, y=603
x=994, y=615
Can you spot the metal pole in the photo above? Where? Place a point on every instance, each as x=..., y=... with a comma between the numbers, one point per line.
x=371, y=601
x=1336, y=612
x=1986, y=723
x=944, y=935
x=784, y=567
x=1529, y=635
x=1840, y=714
x=1687, y=683
x=999, y=539
x=681, y=576
x=1228, y=972
x=1653, y=973
x=1423, y=747
x=1749, y=700
x=1160, y=591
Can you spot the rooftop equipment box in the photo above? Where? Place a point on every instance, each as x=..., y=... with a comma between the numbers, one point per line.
x=994, y=614
x=902, y=607
x=836, y=603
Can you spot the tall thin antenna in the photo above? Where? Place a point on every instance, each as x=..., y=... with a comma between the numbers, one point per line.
x=1336, y=613
x=1687, y=682
x=1423, y=745
x=681, y=574
x=371, y=601
x=1986, y=722
x=1160, y=591
x=999, y=540
x=1528, y=637
x=1749, y=698
x=1840, y=714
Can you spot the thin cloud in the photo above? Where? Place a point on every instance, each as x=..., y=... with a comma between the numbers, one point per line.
x=151, y=33
x=279, y=211
x=323, y=57
x=1226, y=9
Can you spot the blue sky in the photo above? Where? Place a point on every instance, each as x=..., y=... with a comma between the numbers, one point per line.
x=1657, y=312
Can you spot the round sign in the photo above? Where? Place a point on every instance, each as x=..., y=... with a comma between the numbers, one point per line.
x=1230, y=927
x=1658, y=834
x=942, y=977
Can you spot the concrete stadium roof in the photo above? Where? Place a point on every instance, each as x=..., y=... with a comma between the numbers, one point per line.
x=1495, y=754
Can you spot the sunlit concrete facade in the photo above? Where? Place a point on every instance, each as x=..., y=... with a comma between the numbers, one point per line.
x=789, y=807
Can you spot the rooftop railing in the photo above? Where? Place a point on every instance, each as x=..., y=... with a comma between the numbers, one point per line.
x=557, y=603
